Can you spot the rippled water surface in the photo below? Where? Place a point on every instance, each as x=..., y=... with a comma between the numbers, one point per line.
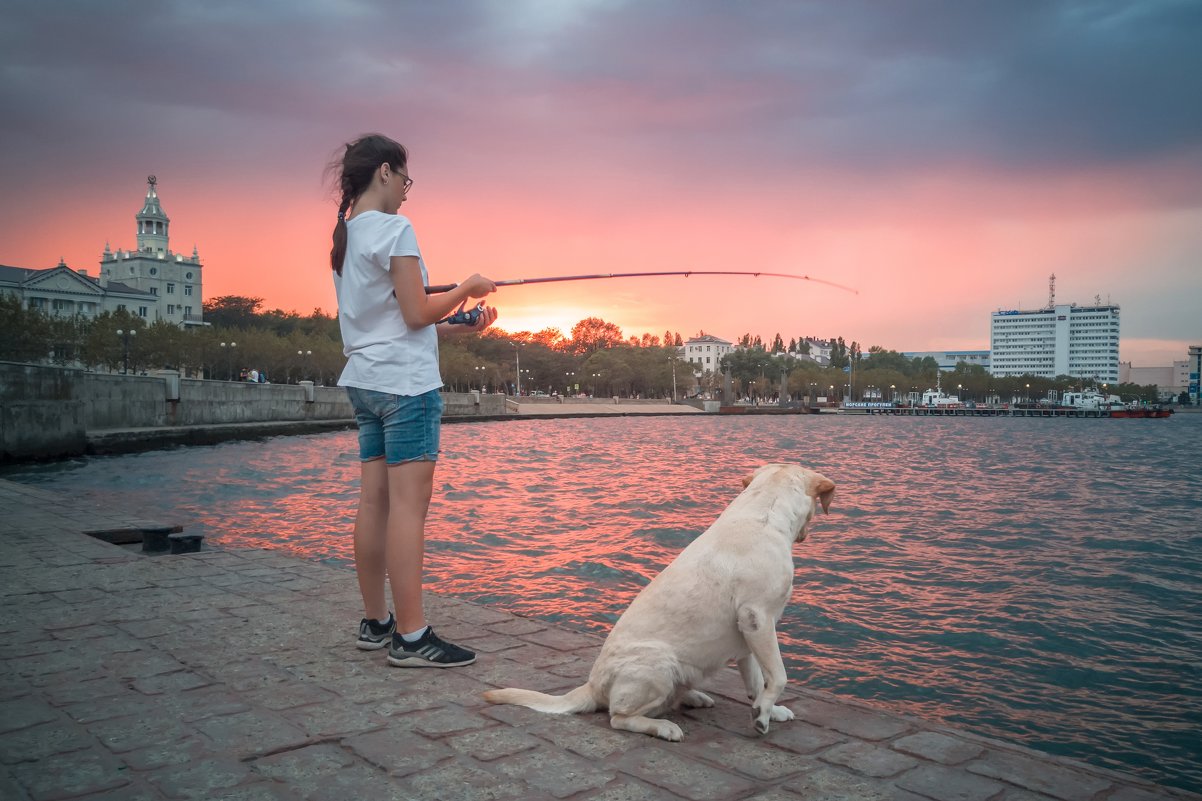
x=1035, y=580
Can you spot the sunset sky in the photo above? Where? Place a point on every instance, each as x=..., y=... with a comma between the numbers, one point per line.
x=941, y=158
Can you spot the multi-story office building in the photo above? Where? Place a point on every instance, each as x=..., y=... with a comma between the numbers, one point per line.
x=1194, y=370
x=1081, y=341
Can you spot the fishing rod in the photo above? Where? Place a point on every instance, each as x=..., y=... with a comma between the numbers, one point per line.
x=469, y=317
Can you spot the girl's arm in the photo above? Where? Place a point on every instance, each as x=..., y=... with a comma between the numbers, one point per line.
x=420, y=309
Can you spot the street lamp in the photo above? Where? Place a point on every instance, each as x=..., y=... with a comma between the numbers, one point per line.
x=594, y=376
x=125, y=334
x=1028, y=393
x=478, y=370
x=229, y=363
x=517, y=367
x=304, y=355
x=568, y=388
x=893, y=393
x=959, y=387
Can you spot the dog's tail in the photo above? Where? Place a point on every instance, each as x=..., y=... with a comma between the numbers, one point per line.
x=579, y=700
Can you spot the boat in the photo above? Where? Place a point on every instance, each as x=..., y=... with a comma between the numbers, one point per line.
x=936, y=399
x=1091, y=400
x=1110, y=406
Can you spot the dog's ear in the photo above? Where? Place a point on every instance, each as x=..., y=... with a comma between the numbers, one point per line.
x=823, y=489
x=750, y=477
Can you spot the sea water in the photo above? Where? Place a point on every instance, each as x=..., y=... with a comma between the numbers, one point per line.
x=1035, y=580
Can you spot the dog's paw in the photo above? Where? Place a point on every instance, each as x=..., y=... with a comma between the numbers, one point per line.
x=667, y=730
x=780, y=714
x=759, y=718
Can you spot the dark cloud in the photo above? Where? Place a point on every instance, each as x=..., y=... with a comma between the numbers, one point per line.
x=853, y=86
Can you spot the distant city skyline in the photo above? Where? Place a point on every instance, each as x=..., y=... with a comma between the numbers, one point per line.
x=943, y=159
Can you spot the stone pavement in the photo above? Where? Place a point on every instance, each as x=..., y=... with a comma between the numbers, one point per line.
x=232, y=675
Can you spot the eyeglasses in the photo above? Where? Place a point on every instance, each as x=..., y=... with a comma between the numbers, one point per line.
x=408, y=181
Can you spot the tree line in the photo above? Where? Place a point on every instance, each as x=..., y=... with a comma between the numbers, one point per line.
x=594, y=358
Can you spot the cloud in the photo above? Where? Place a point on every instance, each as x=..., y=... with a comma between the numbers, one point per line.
x=858, y=86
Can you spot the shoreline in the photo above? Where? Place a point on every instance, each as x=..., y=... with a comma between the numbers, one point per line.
x=115, y=441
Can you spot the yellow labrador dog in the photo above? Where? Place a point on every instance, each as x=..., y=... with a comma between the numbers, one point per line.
x=720, y=599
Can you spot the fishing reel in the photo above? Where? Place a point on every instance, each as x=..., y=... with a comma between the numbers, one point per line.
x=465, y=316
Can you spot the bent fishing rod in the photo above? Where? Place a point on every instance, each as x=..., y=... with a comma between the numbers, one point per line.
x=469, y=317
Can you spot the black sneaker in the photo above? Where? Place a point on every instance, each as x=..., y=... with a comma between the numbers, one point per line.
x=374, y=636
x=429, y=651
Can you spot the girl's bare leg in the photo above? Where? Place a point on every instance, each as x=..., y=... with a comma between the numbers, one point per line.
x=371, y=523
x=409, y=488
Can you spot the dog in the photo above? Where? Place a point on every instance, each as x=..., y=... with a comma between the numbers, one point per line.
x=719, y=600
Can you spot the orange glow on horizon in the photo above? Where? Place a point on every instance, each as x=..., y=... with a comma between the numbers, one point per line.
x=931, y=256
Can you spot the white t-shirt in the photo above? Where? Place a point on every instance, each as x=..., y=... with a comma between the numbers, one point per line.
x=382, y=352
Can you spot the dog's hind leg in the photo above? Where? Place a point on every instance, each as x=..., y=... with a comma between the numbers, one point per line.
x=632, y=698
x=759, y=631
x=695, y=699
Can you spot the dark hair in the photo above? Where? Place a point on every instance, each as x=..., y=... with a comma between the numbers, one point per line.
x=354, y=171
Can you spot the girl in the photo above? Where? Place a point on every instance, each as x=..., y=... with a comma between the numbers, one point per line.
x=391, y=345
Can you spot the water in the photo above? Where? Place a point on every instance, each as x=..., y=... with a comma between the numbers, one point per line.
x=1033, y=580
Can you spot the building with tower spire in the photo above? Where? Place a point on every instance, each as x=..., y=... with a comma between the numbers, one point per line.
x=152, y=267
x=149, y=281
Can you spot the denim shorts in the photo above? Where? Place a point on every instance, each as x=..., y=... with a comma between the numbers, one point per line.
x=401, y=428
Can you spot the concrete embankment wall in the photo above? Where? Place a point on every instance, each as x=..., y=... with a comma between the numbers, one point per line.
x=49, y=412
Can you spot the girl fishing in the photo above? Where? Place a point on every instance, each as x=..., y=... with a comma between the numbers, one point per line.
x=390, y=338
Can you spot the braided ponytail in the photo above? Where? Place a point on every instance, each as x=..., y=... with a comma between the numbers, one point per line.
x=354, y=171
x=338, y=252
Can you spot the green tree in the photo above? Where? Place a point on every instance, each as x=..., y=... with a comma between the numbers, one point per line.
x=839, y=355
x=24, y=333
x=233, y=311
x=593, y=334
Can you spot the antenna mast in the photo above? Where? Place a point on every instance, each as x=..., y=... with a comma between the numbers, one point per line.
x=1052, y=291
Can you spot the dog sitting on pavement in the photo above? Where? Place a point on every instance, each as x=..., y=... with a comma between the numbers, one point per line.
x=719, y=600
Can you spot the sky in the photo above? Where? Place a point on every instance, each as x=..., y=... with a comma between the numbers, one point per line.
x=941, y=158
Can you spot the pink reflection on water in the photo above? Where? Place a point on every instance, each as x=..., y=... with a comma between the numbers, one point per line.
x=1014, y=575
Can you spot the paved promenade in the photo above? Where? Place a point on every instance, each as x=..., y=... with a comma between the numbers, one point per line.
x=233, y=675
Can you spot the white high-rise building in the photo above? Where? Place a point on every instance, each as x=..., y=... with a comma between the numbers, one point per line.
x=1081, y=341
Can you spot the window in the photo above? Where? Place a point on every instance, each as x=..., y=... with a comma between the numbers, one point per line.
x=120, y=307
x=187, y=311
x=170, y=289
x=188, y=276
x=188, y=288
x=154, y=290
x=142, y=312
x=170, y=309
x=154, y=271
x=37, y=303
